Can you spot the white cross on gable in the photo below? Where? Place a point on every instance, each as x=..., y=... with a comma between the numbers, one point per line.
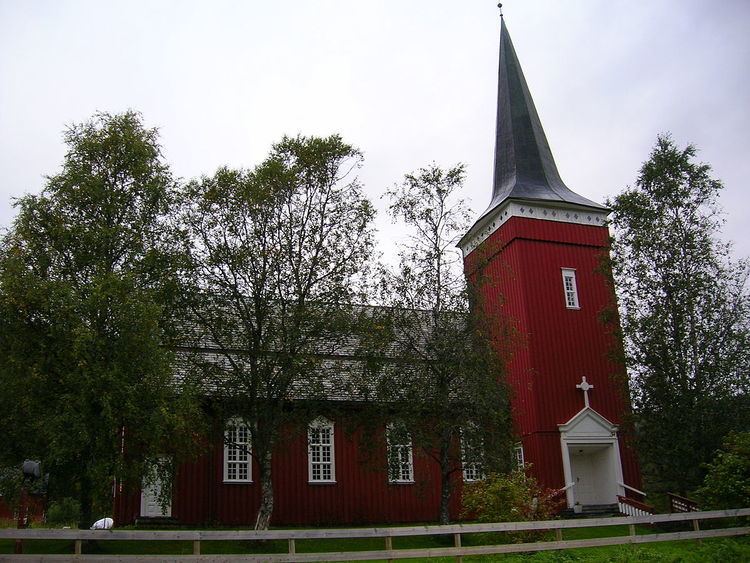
x=585, y=386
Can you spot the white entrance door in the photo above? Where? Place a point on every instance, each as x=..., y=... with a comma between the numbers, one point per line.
x=592, y=472
x=583, y=477
x=150, y=492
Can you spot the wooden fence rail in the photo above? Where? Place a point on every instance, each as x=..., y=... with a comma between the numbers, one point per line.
x=456, y=530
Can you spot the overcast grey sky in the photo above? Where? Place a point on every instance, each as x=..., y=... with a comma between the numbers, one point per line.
x=408, y=82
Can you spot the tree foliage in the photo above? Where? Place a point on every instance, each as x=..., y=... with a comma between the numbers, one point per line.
x=276, y=257
x=447, y=386
x=684, y=312
x=86, y=288
x=727, y=482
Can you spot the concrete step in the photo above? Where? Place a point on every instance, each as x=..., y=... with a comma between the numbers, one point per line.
x=592, y=511
x=156, y=523
x=600, y=511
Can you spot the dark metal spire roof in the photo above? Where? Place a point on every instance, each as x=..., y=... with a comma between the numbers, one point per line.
x=524, y=166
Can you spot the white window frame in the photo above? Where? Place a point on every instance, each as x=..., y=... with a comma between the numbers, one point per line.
x=472, y=469
x=399, y=456
x=321, y=451
x=234, y=458
x=518, y=457
x=570, y=288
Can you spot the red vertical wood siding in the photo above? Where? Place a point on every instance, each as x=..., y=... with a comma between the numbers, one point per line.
x=557, y=345
x=36, y=506
x=126, y=505
x=361, y=493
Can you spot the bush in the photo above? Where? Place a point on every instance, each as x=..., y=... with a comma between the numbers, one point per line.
x=727, y=483
x=64, y=512
x=510, y=497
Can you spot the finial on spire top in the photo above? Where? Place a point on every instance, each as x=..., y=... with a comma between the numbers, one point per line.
x=500, y=7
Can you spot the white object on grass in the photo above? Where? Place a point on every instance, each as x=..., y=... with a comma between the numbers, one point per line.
x=103, y=524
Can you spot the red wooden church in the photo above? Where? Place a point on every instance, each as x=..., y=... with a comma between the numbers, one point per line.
x=544, y=244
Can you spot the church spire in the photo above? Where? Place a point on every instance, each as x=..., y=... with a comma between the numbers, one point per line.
x=526, y=182
x=524, y=166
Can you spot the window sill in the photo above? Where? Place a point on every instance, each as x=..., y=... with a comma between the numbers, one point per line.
x=236, y=482
x=401, y=482
x=572, y=308
x=321, y=482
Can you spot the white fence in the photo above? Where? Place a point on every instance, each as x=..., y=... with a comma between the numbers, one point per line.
x=387, y=534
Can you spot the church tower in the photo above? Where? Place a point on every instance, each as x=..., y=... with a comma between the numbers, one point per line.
x=541, y=245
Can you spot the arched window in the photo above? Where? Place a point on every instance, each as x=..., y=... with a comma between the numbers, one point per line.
x=400, y=458
x=237, y=452
x=320, y=452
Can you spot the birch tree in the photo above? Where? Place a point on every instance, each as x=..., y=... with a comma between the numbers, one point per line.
x=684, y=309
x=276, y=258
x=87, y=292
x=448, y=388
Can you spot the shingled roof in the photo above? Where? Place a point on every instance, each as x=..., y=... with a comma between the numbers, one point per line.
x=344, y=365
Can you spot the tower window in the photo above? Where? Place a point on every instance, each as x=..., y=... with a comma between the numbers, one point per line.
x=570, y=288
x=518, y=457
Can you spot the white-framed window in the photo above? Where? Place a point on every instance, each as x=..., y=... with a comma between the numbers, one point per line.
x=472, y=449
x=400, y=458
x=570, y=288
x=237, y=452
x=518, y=457
x=320, y=452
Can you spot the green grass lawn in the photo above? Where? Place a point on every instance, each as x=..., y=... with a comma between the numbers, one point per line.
x=724, y=550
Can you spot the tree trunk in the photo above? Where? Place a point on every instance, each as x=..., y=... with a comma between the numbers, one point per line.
x=445, y=479
x=266, y=486
x=85, y=497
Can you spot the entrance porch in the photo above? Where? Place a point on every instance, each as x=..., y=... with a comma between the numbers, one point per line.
x=591, y=460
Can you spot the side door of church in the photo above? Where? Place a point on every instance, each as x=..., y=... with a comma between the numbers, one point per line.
x=150, y=493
